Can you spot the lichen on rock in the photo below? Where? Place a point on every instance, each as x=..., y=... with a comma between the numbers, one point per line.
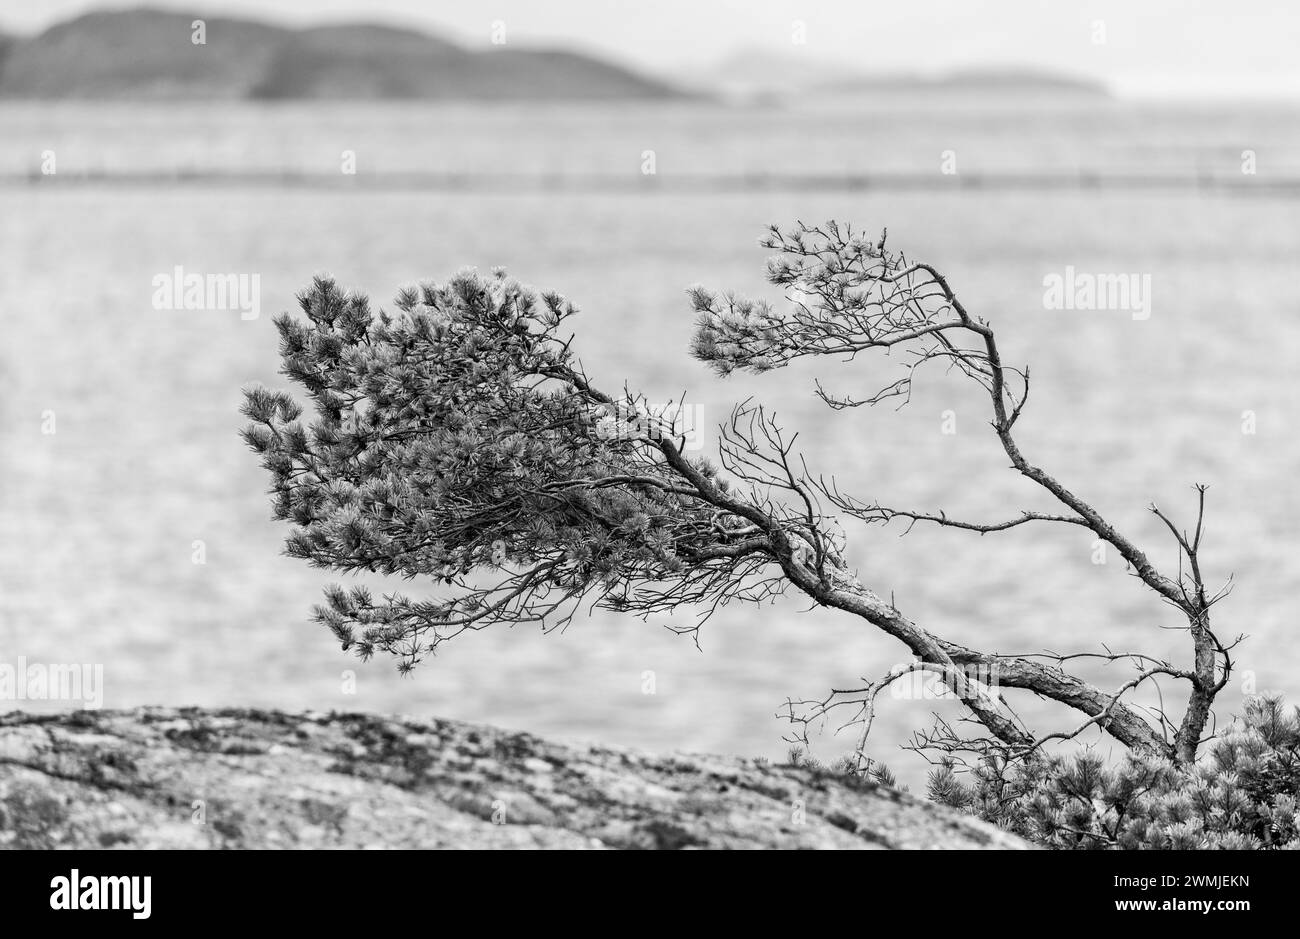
x=235, y=778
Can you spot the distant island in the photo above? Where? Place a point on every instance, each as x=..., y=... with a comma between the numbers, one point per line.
x=974, y=81
x=761, y=75
x=148, y=54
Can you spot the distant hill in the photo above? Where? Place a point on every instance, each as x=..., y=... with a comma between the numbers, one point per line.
x=140, y=54
x=757, y=74
x=975, y=81
x=148, y=54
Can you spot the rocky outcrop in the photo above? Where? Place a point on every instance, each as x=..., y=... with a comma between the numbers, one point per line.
x=165, y=778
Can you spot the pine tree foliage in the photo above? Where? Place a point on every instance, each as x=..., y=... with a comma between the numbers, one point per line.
x=458, y=439
x=1242, y=794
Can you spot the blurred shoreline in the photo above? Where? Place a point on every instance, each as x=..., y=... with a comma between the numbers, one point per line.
x=1227, y=183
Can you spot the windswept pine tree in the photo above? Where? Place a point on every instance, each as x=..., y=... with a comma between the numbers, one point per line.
x=458, y=441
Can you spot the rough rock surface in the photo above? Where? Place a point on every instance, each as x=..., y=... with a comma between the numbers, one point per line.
x=155, y=778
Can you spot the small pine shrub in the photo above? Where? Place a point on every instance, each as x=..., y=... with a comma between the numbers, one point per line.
x=1242, y=794
x=879, y=772
x=845, y=766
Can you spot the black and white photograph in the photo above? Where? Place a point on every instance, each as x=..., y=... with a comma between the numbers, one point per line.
x=711, y=426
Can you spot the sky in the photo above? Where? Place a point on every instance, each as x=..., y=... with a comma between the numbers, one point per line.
x=1138, y=47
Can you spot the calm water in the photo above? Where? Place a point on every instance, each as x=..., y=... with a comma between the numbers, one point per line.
x=99, y=518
